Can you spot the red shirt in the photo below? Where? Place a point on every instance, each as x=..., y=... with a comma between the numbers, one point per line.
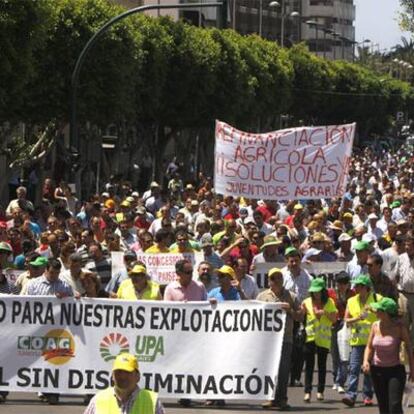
x=340, y=304
x=266, y=211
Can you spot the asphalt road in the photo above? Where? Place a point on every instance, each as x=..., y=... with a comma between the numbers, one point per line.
x=23, y=403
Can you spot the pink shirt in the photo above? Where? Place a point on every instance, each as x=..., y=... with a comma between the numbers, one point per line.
x=195, y=291
x=386, y=351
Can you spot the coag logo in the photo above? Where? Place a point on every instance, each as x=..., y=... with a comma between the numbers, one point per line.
x=148, y=348
x=112, y=345
x=57, y=346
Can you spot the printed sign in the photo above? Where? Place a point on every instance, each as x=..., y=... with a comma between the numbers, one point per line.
x=69, y=345
x=290, y=164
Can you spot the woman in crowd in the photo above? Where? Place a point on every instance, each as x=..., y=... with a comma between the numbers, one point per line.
x=382, y=357
x=320, y=313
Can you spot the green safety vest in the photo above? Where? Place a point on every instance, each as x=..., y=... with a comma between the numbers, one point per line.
x=145, y=403
x=319, y=330
x=360, y=330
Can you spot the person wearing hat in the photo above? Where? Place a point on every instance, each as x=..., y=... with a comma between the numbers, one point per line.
x=297, y=281
x=269, y=252
x=359, y=316
x=210, y=256
x=320, y=313
x=344, y=253
x=6, y=286
x=138, y=286
x=129, y=258
x=358, y=264
x=227, y=282
x=340, y=295
x=125, y=396
x=400, y=209
x=372, y=227
x=288, y=301
x=154, y=200
x=382, y=356
x=35, y=269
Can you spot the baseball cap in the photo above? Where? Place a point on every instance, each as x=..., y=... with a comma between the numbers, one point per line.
x=395, y=204
x=372, y=216
x=369, y=237
x=348, y=215
x=228, y=271
x=135, y=194
x=298, y=207
x=141, y=210
x=130, y=199
x=125, y=203
x=273, y=271
x=292, y=251
x=363, y=280
x=5, y=247
x=125, y=362
x=137, y=269
x=361, y=245
x=386, y=305
x=319, y=237
x=344, y=237
x=317, y=285
x=154, y=184
x=39, y=261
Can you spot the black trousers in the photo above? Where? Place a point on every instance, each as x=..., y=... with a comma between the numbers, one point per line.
x=311, y=349
x=297, y=353
x=389, y=383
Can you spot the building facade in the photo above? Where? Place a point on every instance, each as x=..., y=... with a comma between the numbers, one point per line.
x=327, y=26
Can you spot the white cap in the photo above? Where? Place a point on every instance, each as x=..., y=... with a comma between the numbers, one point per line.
x=369, y=237
x=372, y=216
x=344, y=237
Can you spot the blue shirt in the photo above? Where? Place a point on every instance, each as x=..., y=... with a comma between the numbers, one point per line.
x=219, y=295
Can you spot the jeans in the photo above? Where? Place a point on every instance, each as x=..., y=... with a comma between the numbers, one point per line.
x=310, y=350
x=355, y=364
x=283, y=375
x=339, y=368
x=389, y=383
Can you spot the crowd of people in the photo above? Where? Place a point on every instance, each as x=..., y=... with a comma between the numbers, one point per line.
x=63, y=247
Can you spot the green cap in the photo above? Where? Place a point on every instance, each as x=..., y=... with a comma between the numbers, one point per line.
x=395, y=204
x=5, y=247
x=363, y=280
x=386, y=305
x=291, y=251
x=317, y=285
x=39, y=261
x=362, y=245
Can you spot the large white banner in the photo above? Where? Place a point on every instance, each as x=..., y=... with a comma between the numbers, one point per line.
x=192, y=350
x=294, y=163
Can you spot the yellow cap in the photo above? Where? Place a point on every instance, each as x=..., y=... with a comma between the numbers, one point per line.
x=138, y=269
x=273, y=271
x=125, y=362
x=125, y=203
x=228, y=271
x=298, y=207
x=348, y=215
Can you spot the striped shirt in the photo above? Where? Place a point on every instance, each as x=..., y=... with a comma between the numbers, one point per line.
x=103, y=268
x=126, y=407
x=43, y=287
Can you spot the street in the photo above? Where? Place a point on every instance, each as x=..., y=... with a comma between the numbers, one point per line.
x=22, y=403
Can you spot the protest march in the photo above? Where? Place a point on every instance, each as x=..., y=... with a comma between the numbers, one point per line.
x=301, y=245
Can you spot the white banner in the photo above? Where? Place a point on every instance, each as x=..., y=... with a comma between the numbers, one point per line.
x=330, y=269
x=186, y=350
x=160, y=266
x=290, y=164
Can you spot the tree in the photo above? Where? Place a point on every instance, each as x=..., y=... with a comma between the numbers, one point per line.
x=407, y=15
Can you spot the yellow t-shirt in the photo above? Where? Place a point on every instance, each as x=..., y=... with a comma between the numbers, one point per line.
x=127, y=291
x=156, y=249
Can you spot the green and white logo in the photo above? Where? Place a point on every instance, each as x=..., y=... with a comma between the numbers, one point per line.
x=112, y=345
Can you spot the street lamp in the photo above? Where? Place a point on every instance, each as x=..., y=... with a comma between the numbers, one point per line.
x=92, y=41
x=283, y=15
x=315, y=24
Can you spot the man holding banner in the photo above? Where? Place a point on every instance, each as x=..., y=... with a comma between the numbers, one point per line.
x=126, y=397
x=277, y=293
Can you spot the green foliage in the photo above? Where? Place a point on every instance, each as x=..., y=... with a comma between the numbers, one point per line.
x=407, y=15
x=160, y=73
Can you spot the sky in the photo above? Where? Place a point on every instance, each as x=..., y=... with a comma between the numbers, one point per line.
x=376, y=20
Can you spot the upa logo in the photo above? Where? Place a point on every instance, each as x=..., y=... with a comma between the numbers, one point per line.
x=57, y=346
x=147, y=348
x=112, y=345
